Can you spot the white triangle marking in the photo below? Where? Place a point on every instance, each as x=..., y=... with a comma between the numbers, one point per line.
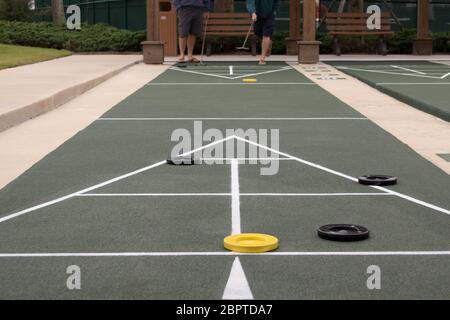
x=237, y=287
x=230, y=77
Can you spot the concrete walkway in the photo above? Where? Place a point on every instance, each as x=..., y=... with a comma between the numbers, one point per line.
x=27, y=143
x=31, y=90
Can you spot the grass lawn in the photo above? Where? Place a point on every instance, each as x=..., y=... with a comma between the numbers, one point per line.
x=13, y=56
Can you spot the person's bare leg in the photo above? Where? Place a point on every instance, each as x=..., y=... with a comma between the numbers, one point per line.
x=265, y=49
x=182, y=44
x=269, y=51
x=191, y=45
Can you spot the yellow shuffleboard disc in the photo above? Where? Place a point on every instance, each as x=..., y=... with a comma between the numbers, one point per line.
x=249, y=80
x=250, y=243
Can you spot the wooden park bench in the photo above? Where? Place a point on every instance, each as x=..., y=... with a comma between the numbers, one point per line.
x=355, y=24
x=228, y=25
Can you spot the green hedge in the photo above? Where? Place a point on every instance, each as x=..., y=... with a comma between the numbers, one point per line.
x=102, y=37
x=89, y=38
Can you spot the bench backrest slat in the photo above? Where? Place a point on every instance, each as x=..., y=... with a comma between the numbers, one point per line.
x=228, y=24
x=228, y=28
x=355, y=14
x=355, y=22
x=229, y=15
x=223, y=22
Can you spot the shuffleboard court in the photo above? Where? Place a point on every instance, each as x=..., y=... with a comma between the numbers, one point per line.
x=106, y=200
x=421, y=84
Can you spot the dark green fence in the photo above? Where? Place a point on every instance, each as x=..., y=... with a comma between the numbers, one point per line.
x=130, y=14
x=124, y=14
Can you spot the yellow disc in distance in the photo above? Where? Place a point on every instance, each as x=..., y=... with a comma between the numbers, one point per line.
x=250, y=243
x=249, y=80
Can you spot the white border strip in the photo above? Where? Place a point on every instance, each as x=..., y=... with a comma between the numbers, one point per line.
x=313, y=194
x=231, y=194
x=154, y=195
x=222, y=253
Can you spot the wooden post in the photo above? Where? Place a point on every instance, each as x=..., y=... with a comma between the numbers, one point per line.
x=309, y=47
x=150, y=20
x=294, y=27
x=153, y=48
x=309, y=18
x=423, y=44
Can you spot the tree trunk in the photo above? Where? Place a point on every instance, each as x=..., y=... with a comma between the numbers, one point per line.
x=224, y=6
x=58, y=16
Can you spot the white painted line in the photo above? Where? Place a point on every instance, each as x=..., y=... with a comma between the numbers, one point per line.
x=246, y=159
x=200, y=118
x=387, y=72
x=261, y=73
x=228, y=77
x=222, y=253
x=445, y=75
x=230, y=194
x=199, y=73
x=235, y=199
x=337, y=173
x=230, y=84
x=311, y=164
x=414, y=200
x=69, y=196
x=237, y=287
x=102, y=184
x=407, y=69
x=231, y=70
x=313, y=194
x=153, y=194
x=413, y=83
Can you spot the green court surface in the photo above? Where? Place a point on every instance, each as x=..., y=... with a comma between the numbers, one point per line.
x=141, y=229
x=421, y=84
x=445, y=156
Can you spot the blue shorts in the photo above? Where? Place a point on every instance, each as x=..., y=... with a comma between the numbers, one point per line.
x=190, y=21
x=264, y=27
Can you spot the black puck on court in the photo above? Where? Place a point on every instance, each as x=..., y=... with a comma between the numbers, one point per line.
x=377, y=180
x=183, y=161
x=343, y=232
